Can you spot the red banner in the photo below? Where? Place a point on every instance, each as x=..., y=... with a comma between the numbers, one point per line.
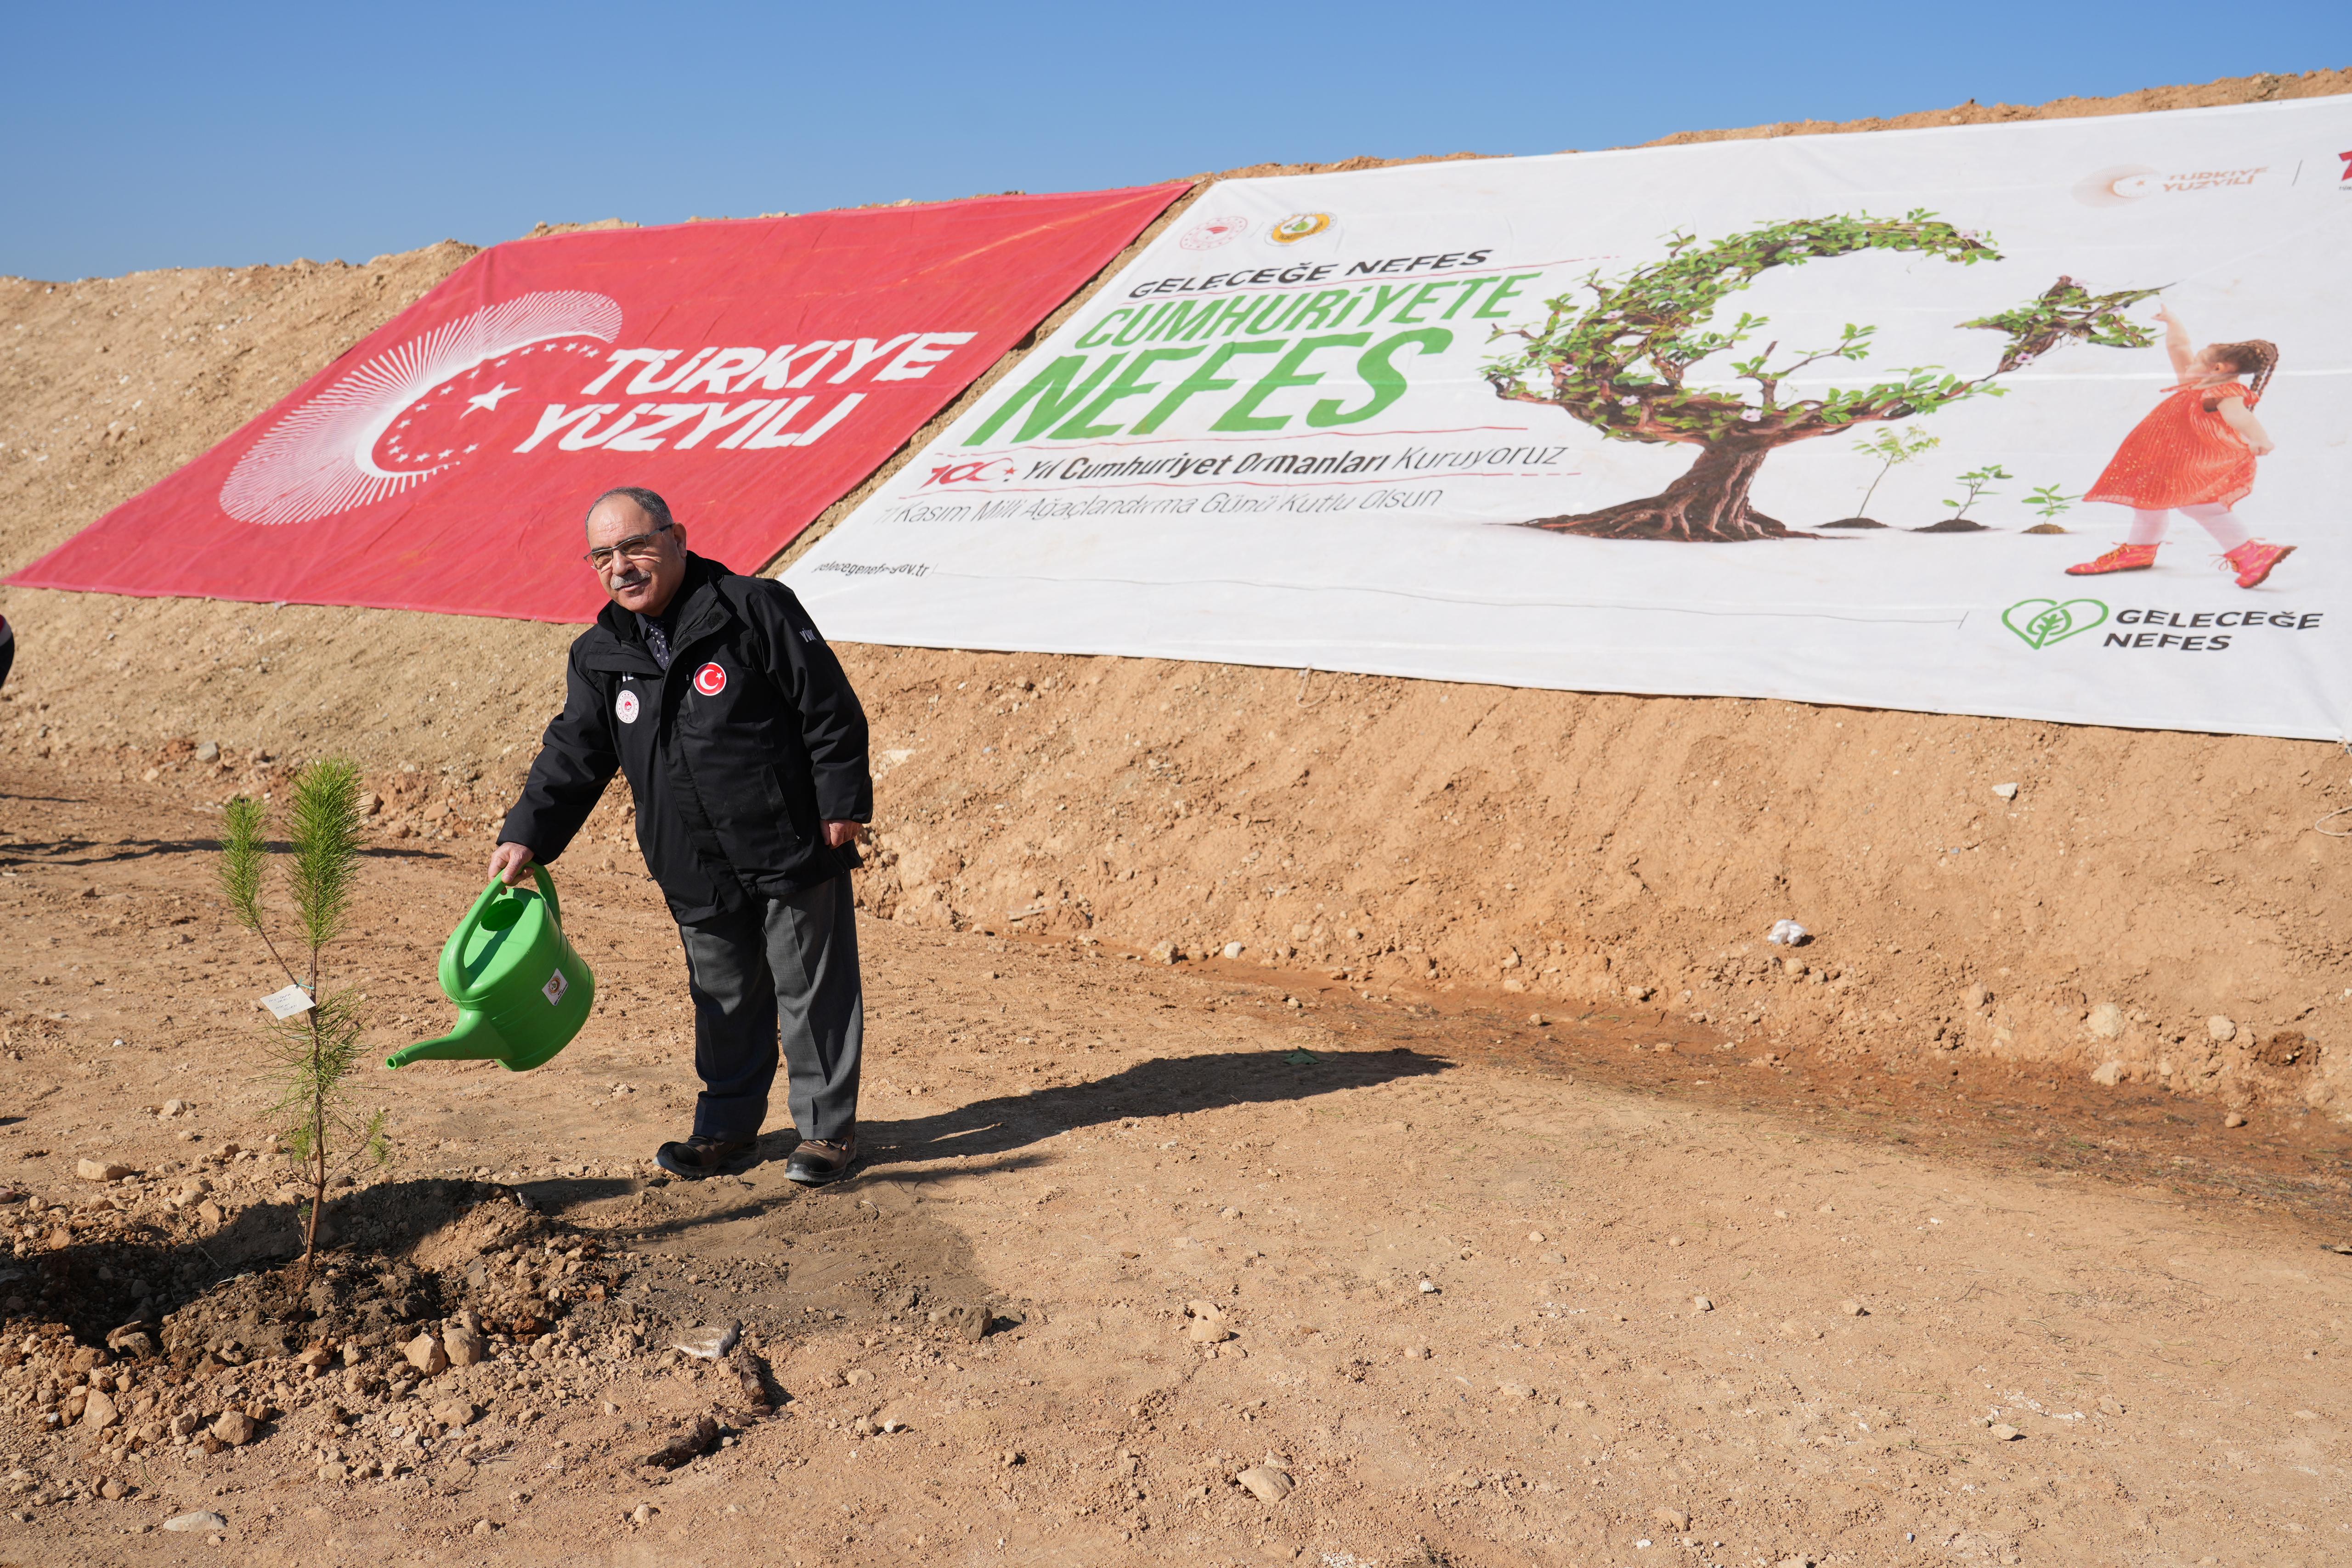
x=752, y=372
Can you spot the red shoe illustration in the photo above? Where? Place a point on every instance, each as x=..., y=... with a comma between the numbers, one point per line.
x=2253, y=560
x=2122, y=558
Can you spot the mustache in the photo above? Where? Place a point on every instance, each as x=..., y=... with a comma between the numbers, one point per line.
x=635, y=577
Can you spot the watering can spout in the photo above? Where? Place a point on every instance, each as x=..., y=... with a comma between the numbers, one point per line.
x=474, y=1037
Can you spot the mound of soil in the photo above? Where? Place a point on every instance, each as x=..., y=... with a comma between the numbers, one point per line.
x=2045, y=528
x=1854, y=522
x=1953, y=525
x=144, y=1339
x=448, y=1302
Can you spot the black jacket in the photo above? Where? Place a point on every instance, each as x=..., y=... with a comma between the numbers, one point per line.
x=737, y=756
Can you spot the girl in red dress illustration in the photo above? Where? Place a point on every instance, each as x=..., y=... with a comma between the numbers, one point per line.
x=2194, y=453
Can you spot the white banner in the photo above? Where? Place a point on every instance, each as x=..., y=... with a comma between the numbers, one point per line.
x=1819, y=417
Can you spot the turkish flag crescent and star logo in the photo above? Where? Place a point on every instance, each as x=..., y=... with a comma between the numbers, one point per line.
x=752, y=372
x=710, y=680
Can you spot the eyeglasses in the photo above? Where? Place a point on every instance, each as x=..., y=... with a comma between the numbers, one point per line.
x=637, y=547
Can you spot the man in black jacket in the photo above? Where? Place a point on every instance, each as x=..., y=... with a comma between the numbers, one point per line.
x=745, y=749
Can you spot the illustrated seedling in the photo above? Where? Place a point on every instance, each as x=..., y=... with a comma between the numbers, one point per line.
x=2050, y=505
x=1892, y=448
x=1978, y=482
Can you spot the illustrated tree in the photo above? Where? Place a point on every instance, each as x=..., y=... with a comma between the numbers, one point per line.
x=315, y=1046
x=1623, y=362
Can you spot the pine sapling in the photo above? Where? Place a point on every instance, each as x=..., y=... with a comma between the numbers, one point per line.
x=314, y=1050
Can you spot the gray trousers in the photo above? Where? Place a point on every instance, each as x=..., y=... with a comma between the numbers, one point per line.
x=782, y=968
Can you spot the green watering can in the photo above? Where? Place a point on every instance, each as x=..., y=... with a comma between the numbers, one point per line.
x=521, y=990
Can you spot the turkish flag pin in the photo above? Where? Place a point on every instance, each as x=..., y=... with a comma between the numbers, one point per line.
x=710, y=680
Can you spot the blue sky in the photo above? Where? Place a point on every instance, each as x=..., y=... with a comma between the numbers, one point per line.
x=144, y=135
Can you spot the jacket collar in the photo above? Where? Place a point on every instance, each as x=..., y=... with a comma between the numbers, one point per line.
x=698, y=603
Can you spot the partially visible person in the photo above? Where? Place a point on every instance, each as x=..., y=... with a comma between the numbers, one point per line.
x=2194, y=453
x=745, y=749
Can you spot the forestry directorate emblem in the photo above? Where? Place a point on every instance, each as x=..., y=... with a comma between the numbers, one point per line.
x=1298, y=227
x=710, y=680
x=625, y=706
x=555, y=988
x=1210, y=233
x=398, y=420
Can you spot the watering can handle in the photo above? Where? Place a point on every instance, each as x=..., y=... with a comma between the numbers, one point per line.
x=452, y=978
x=546, y=890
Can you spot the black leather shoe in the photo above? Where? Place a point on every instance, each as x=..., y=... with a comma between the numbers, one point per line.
x=698, y=1156
x=817, y=1161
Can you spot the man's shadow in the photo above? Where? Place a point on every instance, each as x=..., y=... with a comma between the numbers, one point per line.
x=1164, y=1085
x=996, y=1129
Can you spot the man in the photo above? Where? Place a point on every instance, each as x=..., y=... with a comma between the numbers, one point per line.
x=745, y=749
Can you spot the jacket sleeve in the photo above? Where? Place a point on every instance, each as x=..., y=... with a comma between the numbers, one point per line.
x=833, y=722
x=577, y=758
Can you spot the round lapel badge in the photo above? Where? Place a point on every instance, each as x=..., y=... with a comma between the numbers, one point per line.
x=625, y=706
x=710, y=680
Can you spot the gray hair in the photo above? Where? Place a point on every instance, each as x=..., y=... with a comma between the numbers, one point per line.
x=651, y=504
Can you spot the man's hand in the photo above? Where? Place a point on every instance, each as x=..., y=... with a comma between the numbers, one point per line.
x=511, y=864
x=839, y=835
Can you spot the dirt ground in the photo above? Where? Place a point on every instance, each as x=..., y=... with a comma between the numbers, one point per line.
x=1897, y=1269
x=2045, y=1133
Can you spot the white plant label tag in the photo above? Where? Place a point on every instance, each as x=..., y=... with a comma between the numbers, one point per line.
x=555, y=988
x=283, y=1004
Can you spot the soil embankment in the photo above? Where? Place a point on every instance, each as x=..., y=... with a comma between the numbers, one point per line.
x=2149, y=907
